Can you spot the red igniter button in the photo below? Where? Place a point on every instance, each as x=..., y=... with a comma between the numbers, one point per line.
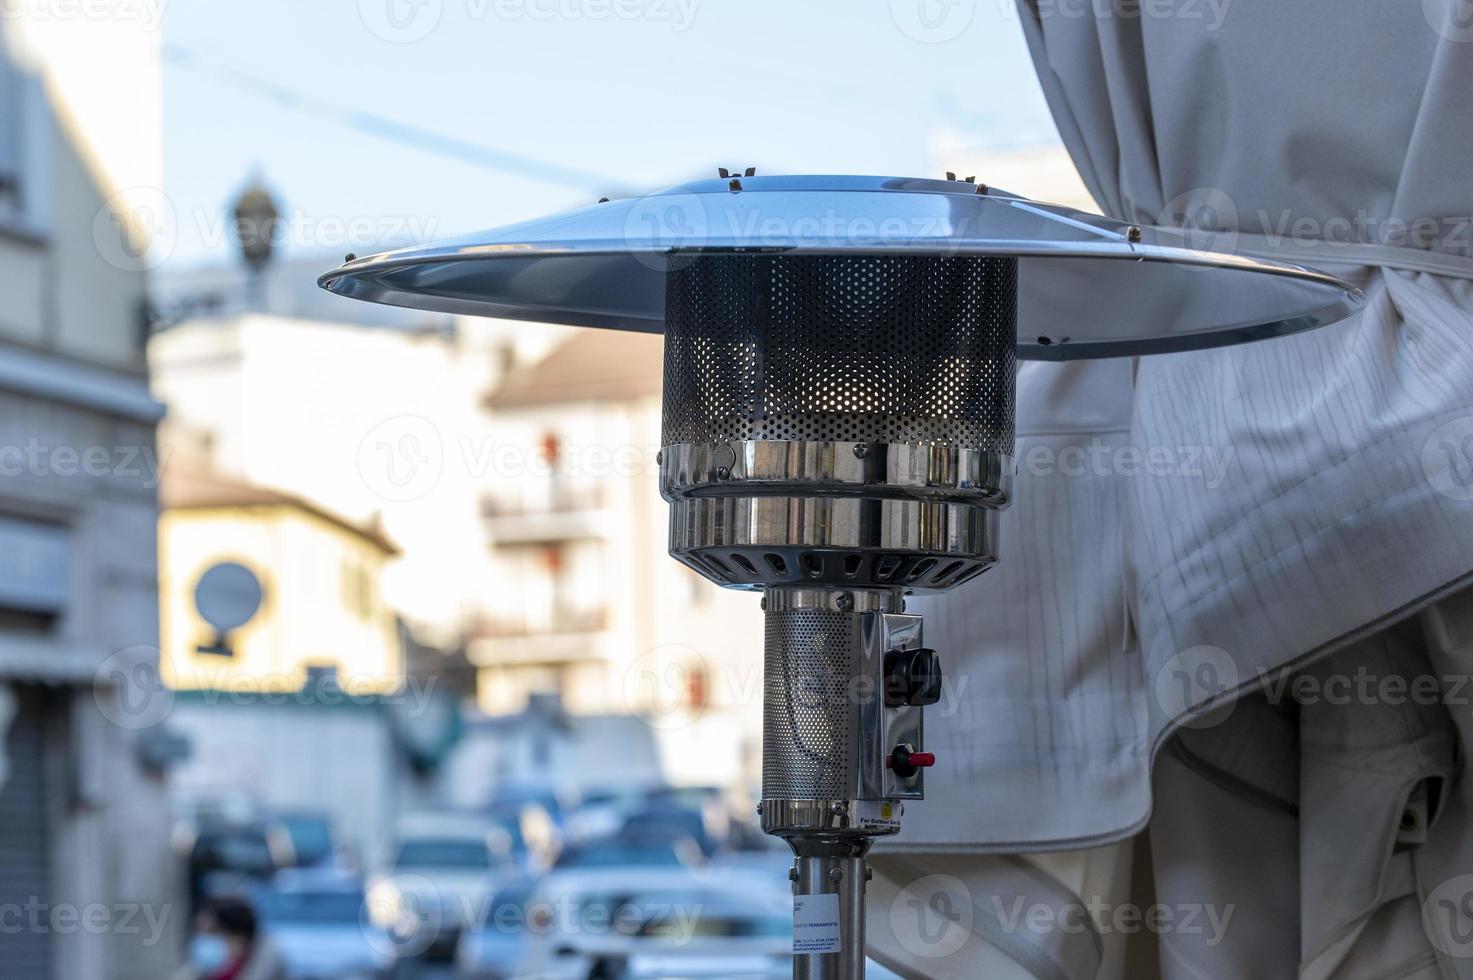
x=907, y=763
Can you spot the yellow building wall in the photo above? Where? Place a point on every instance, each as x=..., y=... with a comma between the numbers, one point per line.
x=321, y=603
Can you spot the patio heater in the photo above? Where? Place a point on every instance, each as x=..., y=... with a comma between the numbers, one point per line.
x=840, y=355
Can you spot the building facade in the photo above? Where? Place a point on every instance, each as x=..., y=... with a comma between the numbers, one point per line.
x=588, y=605
x=320, y=619
x=88, y=883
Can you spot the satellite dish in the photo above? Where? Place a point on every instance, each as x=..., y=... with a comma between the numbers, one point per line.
x=228, y=596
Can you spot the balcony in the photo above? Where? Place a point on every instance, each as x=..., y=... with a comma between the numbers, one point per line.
x=558, y=511
x=564, y=637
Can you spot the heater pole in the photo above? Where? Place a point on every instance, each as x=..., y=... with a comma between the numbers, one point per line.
x=836, y=886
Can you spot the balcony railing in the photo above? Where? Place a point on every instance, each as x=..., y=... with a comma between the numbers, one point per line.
x=549, y=623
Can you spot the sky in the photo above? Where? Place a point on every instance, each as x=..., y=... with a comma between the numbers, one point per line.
x=608, y=95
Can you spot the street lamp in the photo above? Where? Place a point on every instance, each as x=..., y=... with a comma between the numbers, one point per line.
x=256, y=216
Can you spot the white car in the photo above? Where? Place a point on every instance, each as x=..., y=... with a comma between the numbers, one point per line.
x=316, y=921
x=581, y=923
x=440, y=882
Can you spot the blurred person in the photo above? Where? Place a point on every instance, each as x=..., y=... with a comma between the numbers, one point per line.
x=227, y=946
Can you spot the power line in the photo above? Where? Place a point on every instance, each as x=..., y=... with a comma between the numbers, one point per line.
x=393, y=130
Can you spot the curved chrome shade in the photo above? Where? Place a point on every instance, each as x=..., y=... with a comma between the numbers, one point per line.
x=1088, y=286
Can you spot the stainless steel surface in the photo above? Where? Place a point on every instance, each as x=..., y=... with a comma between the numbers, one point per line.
x=844, y=877
x=781, y=468
x=914, y=350
x=838, y=600
x=1087, y=285
x=831, y=820
x=843, y=542
x=810, y=710
x=828, y=729
x=853, y=878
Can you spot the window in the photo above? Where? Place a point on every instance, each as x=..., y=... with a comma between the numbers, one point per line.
x=35, y=570
x=25, y=150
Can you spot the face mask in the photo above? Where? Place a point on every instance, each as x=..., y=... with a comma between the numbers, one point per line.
x=209, y=953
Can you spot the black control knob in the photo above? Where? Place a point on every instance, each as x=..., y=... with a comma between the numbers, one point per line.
x=912, y=677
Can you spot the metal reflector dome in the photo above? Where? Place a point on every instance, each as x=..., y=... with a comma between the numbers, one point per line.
x=1088, y=286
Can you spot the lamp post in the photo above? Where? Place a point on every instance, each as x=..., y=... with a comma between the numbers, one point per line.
x=256, y=217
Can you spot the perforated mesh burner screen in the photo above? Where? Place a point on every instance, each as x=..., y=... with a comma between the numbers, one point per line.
x=807, y=713
x=883, y=349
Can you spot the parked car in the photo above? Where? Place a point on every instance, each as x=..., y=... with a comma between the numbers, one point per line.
x=227, y=858
x=668, y=824
x=317, y=922
x=444, y=870
x=306, y=836
x=497, y=946
x=588, y=923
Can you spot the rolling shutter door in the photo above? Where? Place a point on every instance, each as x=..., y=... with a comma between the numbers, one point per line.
x=25, y=871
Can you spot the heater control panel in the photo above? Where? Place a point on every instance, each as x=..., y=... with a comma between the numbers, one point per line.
x=910, y=679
